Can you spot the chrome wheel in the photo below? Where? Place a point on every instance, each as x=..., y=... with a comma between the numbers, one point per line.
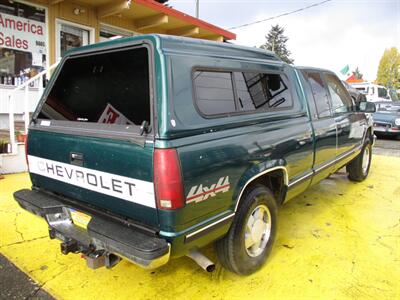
x=365, y=159
x=258, y=230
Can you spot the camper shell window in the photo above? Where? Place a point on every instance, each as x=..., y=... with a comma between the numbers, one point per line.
x=219, y=93
x=108, y=88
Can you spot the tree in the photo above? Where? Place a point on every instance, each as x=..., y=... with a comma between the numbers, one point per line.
x=357, y=74
x=276, y=42
x=389, y=69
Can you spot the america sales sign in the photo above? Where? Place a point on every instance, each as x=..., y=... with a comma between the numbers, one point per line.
x=22, y=34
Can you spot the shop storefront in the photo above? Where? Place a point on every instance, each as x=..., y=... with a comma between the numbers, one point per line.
x=23, y=40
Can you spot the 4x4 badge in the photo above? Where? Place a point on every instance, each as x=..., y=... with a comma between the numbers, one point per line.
x=200, y=193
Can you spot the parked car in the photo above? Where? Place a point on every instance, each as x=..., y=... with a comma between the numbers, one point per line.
x=151, y=147
x=387, y=118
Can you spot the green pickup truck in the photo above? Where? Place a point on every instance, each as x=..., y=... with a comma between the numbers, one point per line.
x=151, y=147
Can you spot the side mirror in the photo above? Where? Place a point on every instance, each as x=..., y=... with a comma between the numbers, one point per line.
x=367, y=107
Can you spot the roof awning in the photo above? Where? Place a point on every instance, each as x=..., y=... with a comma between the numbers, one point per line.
x=148, y=16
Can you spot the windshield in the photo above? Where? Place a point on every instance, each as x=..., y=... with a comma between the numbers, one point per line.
x=382, y=93
x=388, y=107
x=109, y=87
x=361, y=89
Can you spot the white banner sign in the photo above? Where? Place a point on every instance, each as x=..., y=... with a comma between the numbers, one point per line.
x=130, y=189
x=22, y=34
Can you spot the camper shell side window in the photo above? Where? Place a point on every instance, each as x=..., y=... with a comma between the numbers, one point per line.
x=219, y=93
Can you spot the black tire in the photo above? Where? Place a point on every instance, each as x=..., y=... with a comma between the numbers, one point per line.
x=356, y=170
x=231, y=250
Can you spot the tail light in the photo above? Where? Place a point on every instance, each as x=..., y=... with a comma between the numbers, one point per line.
x=168, y=179
x=26, y=149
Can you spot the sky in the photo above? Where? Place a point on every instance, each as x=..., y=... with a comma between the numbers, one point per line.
x=331, y=36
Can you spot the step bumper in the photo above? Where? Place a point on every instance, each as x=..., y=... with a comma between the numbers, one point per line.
x=101, y=235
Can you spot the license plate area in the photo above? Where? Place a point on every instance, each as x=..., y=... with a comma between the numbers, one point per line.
x=380, y=128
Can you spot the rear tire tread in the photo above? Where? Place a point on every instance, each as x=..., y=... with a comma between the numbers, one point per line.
x=225, y=247
x=354, y=168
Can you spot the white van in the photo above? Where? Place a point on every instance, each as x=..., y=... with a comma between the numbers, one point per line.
x=373, y=92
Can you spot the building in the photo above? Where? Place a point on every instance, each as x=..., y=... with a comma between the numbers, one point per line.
x=35, y=34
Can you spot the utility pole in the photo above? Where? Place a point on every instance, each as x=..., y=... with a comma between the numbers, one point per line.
x=197, y=8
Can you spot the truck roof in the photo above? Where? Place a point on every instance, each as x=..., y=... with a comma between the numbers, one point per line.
x=366, y=84
x=313, y=69
x=177, y=44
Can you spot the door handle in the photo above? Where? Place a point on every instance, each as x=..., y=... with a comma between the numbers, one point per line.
x=76, y=159
x=303, y=140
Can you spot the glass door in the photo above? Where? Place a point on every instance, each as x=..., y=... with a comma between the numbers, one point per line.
x=108, y=33
x=69, y=35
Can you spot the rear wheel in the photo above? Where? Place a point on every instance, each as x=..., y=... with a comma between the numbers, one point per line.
x=249, y=241
x=358, y=168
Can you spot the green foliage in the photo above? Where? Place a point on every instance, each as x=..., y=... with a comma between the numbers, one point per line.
x=276, y=42
x=389, y=69
x=357, y=74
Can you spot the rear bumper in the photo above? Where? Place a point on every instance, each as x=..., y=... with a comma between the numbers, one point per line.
x=102, y=236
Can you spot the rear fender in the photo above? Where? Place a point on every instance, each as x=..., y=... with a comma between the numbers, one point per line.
x=255, y=172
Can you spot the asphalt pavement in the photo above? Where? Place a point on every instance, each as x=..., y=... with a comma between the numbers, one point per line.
x=389, y=146
x=15, y=284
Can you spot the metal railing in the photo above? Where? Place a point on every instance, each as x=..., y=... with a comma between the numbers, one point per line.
x=11, y=98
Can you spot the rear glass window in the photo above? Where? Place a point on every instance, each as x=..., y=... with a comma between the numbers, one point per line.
x=111, y=88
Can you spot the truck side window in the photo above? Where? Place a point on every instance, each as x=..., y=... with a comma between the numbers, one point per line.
x=260, y=91
x=320, y=95
x=341, y=100
x=214, y=92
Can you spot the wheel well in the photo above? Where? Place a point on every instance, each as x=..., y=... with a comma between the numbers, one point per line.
x=275, y=181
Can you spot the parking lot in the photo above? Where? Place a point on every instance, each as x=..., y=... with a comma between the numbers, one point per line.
x=339, y=240
x=387, y=146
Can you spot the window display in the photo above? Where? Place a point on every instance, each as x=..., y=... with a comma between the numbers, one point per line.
x=72, y=37
x=22, y=42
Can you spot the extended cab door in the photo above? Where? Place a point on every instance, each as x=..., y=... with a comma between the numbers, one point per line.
x=323, y=123
x=351, y=126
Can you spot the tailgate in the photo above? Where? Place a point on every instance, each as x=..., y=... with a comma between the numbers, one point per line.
x=113, y=175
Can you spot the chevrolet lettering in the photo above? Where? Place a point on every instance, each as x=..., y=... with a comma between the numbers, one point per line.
x=151, y=147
